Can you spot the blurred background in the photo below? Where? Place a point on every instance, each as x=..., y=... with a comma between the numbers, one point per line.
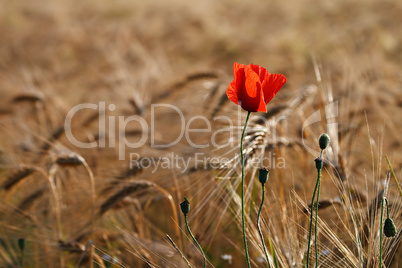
x=75, y=206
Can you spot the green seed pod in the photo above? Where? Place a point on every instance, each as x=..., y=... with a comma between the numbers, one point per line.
x=318, y=163
x=185, y=206
x=263, y=175
x=389, y=228
x=324, y=141
x=21, y=244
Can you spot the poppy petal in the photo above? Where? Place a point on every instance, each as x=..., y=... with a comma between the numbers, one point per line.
x=238, y=74
x=237, y=67
x=231, y=92
x=251, y=81
x=260, y=71
x=263, y=106
x=250, y=94
x=271, y=85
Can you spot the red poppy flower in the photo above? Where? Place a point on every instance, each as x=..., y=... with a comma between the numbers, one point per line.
x=253, y=87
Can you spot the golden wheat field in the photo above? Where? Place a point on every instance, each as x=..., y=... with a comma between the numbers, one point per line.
x=113, y=111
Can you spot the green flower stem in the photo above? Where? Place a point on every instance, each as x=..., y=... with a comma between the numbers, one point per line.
x=311, y=223
x=22, y=259
x=242, y=190
x=381, y=231
x=386, y=202
x=258, y=224
x=195, y=240
x=317, y=186
x=21, y=245
x=316, y=217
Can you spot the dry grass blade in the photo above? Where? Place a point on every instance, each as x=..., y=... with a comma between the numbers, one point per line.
x=137, y=105
x=71, y=247
x=17, y=176
x=53, y=137
x=394, y=176
x=69, y=159
x=222, y=100
x=33, y=97
x=395, y=246
x=125, y=174
x=133, y=187
x=345, y=254
x=5, y=111
x=178, y=250
x=90, y=119
x=372, y=211
x=181, y=84
x=323, y=204
x=30, y=199
x=339, y=169
x=85, y=250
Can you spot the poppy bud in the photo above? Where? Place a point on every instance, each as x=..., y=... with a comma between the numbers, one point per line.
x=185, y=206
x=324, y=141
x=263, y=175
x=318, y=163
x=389, y=228
x=21, y=244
